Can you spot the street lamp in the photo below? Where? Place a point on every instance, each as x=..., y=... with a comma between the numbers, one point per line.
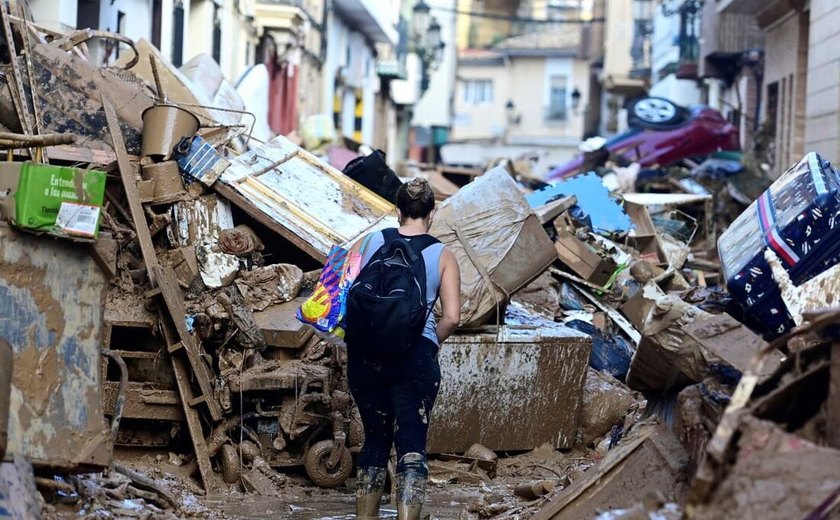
x=428, y=43
x=420, y=18
x=434, y=39
x=672, y=7
x=576, y=95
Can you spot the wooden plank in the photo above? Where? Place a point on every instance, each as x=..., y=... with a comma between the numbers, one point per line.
x=81, y=154
x=18, y=94
x=833, y=405
x=30, y=74
x=137, y=354
x=169, y=288
x=616, y=316
x=242, y=203
x=130, y=185
x=548, y=212
x=650, y=458
x=142, y=402
x=202, y=456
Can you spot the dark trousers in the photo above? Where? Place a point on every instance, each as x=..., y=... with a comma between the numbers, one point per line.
x=395, y=398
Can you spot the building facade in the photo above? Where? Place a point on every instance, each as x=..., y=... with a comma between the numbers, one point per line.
x=526, y=94
x=797, y=77
x=431, y=116
x=626, y=67
x=669, y=29
x=303, y=57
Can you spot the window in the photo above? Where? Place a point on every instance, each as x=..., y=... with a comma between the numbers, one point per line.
x=178, y=33
x=120, y=29
x=557, y=99
x=217, y=33
x=478, y=91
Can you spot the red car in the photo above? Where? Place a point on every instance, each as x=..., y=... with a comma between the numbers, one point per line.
x=663, y=133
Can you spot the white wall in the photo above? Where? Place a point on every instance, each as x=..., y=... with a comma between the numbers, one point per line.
x=435, y=107
x=359, y=73
x=665, y=50
x=198, y=30
x=680, y=91
x=336, y=33
x=58, y=15
x=138, y=17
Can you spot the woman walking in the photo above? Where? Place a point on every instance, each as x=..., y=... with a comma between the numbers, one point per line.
x=395, y=381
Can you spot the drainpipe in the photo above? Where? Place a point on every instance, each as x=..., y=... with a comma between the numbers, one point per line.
x=5, y=390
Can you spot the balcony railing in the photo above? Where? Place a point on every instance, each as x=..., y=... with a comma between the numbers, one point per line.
x=640, y=51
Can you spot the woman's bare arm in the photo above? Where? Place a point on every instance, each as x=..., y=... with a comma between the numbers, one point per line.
x=450, y=295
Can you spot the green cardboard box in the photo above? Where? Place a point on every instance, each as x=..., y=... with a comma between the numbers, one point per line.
x=59, y=200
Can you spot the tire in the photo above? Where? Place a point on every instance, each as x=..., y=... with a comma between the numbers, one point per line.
x=654, y=112
x=231, y=469
x=315, y=462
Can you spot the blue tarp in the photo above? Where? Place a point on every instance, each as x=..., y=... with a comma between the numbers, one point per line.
x=592, y=196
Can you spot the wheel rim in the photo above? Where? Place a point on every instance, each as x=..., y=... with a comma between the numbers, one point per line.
x=655, y=110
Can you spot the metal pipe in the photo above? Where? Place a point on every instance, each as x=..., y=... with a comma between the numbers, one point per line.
x=5, y=391
x=118, y=405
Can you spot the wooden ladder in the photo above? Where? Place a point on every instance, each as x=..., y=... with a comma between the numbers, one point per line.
x=182, y=346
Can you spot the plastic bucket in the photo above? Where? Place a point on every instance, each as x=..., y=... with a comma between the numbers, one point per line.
x=163, y=128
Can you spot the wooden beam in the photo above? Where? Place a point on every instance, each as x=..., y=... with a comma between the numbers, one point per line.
x=550, y=211
x=17, y=92
x=130, y=185
x=81, y=154
x=245, y=205
x=833, y=403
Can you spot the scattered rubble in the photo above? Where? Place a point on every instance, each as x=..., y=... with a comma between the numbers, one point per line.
x=153, y=259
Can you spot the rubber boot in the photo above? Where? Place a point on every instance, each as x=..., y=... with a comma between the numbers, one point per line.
x=411, y=494
x=370, y=483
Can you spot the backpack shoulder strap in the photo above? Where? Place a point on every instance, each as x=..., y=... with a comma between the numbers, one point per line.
x=390, y=234
x=421, y=242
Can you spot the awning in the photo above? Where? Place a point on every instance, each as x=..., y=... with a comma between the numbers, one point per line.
x=364, y=16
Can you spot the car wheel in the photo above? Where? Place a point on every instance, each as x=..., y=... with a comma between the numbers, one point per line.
x=654, y=112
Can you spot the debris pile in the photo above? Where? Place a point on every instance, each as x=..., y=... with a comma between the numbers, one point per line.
x=157, y=256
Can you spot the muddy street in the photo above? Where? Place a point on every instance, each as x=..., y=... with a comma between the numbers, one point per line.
x=333, y=259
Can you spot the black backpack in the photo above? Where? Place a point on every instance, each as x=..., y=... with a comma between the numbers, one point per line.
x=386, y=305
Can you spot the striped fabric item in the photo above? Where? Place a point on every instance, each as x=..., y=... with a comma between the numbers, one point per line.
x=767, y=220
x=199, y=161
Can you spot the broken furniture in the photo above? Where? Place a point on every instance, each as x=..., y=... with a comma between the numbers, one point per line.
x=795, y=219
x=56, y=415
x=649, y=459
x=779, y=432
x=274, y=184
x=499, y=248
x=511, y=388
